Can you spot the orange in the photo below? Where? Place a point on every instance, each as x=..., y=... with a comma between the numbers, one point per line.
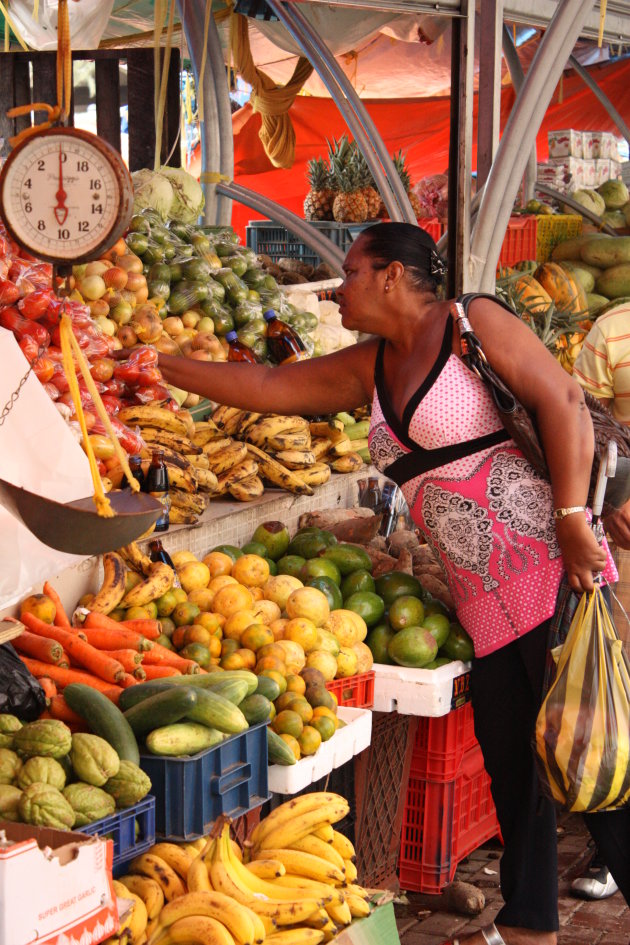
x=177, y=637
x=322, y=711
x=323, y=661
x=308, y=602
x=266, y=611
x=211, y=621
x=214, y=645
x=294, y=655
x=272, y=712
x=276, y=676
x=142, y=613
x=255, y=636
x=256, y=593
x=233, y=660
x=293, y=744
x=270, y=662
x=39, y=605
x=236, y=623
x=220, y=581
x=284, y=700
x=296, y=684
x=279, y=588
x=218, y=563
x=325, y=726
x=228, y=647
x=278, y=627
x=303, y=709
x=251, y=570
x=303, y=631
x=193, y=575
x=197, y=634
x=288, y=723
x=185, y=613
x=231, y=599
x=309, y=739
x=272, y=649
x=202, y=597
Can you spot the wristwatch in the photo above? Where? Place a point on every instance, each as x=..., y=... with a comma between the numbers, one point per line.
x=562, y=513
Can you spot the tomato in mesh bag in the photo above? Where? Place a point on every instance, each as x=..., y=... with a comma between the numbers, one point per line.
x=155, y=393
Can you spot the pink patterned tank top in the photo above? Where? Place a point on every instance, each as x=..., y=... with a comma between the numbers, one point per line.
x=481, y=506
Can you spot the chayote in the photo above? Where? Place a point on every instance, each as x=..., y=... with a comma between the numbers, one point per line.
x=47, y=737
x=93, y=759
x=9, y=725
x=44, y=806
x=10, y=764
x=129, y=785
x=42, y=770
x=89, y=803
x=9, y=802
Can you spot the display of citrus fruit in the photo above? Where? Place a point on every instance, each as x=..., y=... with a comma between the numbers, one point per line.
x=218, y=563
x=308, y=602
x=251, y=570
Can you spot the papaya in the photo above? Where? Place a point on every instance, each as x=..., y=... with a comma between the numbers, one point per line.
x=606, y=251
x=565, y=291
x=614, y=283
x=527, y=293
x=582, y=275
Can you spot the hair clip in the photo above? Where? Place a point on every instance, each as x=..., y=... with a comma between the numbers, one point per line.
x=437, y=265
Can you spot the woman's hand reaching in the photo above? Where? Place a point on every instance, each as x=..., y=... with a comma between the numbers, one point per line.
x=582, y=554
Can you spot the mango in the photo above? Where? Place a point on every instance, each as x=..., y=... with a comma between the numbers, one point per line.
x=595, y=302
x=606, y=251
x=615, y=281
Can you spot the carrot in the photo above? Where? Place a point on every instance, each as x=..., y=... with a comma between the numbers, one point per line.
x=161, y=656
x=119, y=639
x=157, y=672
x=63, y=677
x=42, y=648
x=128, y=680
x=64, y=661
x=112, y=693
x=48, y=629
x=140, y=673
x=59, y=709
x=128, y=658
x=87, y=656
x=151, y=629
x=61, y=617
x=49, y=687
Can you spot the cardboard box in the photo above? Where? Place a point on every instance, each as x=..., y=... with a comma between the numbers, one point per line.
x=565, y=143
x=572, y=170
x=589, y=173
x=55, y=887
x=602, y=171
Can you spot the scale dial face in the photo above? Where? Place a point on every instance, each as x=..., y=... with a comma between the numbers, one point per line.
x=65, y=195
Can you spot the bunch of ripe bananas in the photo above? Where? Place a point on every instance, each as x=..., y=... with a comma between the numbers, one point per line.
x=290, y=452
x=158, y=579
x=293, y=885
x=190, y=476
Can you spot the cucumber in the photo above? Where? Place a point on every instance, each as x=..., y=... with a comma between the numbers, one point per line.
x=163, y=708
x=234, y=690
x=256, y=708
x=214, y=679
x=213, y=710
x=182, y=738
x=279, y=751
x=267, y=687
x=104, y=719
x=222, y=682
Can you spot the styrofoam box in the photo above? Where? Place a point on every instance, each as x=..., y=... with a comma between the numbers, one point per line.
x=347, y=742
x=615, y=170
x=572, y=169
x=602, y=171
x=565, y=143
x=427, y=692
x=589, y=171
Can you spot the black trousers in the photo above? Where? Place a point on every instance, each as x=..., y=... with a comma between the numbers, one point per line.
x=506, y=689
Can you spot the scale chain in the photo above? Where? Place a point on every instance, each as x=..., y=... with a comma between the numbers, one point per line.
x=10, y=404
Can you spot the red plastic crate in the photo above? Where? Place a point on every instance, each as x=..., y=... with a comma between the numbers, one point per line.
x=441, y=743
x=357, y=692
x=433, y=226
x=443, y=822
x=519, y=241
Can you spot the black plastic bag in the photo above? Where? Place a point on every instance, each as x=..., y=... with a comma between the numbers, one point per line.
x=20, y=692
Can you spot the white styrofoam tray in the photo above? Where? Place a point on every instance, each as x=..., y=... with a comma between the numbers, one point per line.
x=428, y=692
x=348, y=741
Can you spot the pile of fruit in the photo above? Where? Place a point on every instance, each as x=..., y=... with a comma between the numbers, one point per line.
x=52, y=777
x=342, y=188
x=293, y=882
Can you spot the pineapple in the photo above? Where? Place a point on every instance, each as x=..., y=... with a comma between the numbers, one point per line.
x=369, y=191
x=319, y=200
x=350, y=205
x=403, y=172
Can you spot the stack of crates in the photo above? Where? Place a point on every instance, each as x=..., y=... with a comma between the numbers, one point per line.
x=449, y=811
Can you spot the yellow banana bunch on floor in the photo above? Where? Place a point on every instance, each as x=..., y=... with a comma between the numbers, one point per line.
x=135, y=921
x=240, y=923
x=154, y=867
x=296, y=818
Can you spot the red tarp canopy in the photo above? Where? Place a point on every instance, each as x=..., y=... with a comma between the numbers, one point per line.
x=419, y=126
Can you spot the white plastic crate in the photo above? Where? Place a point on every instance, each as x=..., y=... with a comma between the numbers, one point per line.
x=347, y=742
x=428, y=692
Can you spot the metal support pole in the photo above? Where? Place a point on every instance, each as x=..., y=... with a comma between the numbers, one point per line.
x=512, y=154
x=518, y=77
x=489, y=96
x=601, y=96
x=460, y=148
x=351, y=107
x=330, y=253
x=217, y=149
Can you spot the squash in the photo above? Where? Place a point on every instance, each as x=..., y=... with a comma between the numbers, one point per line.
x=566, y=292
x=529, y=295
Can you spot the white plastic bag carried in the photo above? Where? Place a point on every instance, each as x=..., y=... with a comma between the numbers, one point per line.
x=37, y=452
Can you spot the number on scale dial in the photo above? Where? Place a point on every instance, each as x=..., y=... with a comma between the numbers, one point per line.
x=65, y=195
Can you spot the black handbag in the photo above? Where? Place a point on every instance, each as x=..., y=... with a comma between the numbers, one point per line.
x=518, y=421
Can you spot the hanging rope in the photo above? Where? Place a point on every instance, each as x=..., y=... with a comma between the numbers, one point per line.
x=602, y=20
x=161, y=70
x=271, y=101
x=10, y=25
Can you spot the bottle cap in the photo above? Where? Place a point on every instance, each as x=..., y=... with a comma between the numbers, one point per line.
x=231, y=336
x=269, y=314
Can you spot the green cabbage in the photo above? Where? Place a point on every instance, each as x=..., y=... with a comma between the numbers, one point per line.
x=153, y=190
x=188, y=199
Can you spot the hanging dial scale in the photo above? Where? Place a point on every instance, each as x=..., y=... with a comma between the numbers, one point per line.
x=66, y=196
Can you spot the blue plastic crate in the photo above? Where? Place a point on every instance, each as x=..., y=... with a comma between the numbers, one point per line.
x=264, y=236
x=192, y=792
x=121, y=827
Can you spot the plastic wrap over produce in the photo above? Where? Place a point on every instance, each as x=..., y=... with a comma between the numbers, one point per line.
x=88, y=20
x=37, y=452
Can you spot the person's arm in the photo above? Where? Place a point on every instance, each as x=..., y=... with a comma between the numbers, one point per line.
x=340, y=381
x=556, y=402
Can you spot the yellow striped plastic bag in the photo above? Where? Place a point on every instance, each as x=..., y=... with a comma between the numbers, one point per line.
x=583, y=727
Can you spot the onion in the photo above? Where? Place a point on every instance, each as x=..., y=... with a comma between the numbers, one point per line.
x=115, y=277
x=130, y=262
x=92, y=287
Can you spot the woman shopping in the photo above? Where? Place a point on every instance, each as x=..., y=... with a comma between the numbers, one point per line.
x=505, y=536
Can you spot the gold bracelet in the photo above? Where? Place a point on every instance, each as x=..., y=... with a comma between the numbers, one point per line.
x=562, y=513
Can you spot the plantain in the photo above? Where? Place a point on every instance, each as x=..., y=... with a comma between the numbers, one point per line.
x=315, y=475
x=295, y=459
x=320, y=446
x=274, y=426
x=173, y=441
x=197, y=460
x=178, y=516
x=215, y=446
x=158, y=582
x=333, y=429
x=112, y=590
x=135, y=558
x=247, y=489
x=148, y=415
x=232, y=454
x=243, y=470
x=205, y=430
x=289, y=441
x=269, y=468
x=170, y=456
x=186, y=417
x=340, y=448
x=248, y=419
x=222, y=415
x=349, y=462
x=206, y=480
x=178, y=478
x=188, y=501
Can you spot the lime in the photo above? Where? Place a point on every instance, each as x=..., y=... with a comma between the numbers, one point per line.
x=359, y=580
x=406, y=611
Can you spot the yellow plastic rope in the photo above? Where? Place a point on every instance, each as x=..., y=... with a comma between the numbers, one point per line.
x=602, y=20
x=64, y=60
x=70, y=349
x=214, y=177
x=204, y=56
x=270, y=100
x=161, y=90
x=9, y=24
